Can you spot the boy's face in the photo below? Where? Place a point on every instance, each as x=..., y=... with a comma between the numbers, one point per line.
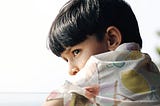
x=77, y=56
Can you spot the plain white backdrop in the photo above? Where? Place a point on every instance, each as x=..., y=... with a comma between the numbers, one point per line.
x=26, y=65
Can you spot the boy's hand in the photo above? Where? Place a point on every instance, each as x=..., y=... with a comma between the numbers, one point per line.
x=92, y=91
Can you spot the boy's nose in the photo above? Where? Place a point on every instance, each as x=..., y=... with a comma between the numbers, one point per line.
x=73, y=71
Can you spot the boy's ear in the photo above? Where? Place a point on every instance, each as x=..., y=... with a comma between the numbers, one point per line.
x=113, y=37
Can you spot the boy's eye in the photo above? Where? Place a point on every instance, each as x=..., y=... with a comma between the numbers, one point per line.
x=76, y=52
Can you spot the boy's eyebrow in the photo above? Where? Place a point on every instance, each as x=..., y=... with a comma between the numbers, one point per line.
x=67, y=49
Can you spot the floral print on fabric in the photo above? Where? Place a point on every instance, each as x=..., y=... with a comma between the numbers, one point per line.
x=124, y=77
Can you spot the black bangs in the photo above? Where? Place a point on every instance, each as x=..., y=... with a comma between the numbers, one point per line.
x=62, y=37
x=55, y=46
x=73, y=24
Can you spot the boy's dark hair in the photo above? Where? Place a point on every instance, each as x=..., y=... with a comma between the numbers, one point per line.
x=81, y=18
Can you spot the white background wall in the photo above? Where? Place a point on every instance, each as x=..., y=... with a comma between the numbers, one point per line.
x=26, y=65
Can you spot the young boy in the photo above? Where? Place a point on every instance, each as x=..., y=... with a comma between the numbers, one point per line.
x=100, y=41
